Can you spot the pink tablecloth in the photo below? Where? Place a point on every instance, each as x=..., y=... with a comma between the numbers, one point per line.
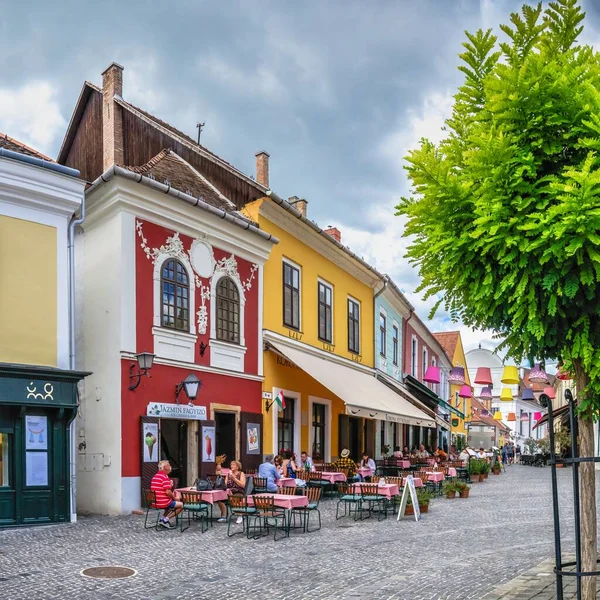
x=210, y=496
x=435, y=476
x=283, y=500
x=286, y=482
x=451, y=472
x=388, y=490
x=418, y=482
x=365, y=472
x=332, y=476
x=403, y=464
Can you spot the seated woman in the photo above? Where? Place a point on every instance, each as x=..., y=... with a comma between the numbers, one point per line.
x=397, y=452
x=290, y=469
x=236, y=483
x=278, y=465
x=366, y=463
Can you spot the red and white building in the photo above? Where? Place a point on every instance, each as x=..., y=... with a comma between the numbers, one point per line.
x=168, y=266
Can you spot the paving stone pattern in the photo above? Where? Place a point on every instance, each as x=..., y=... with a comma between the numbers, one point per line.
x=461, y=549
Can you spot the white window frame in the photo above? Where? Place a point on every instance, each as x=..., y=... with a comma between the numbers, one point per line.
x=397, y=327
x=296, y=266
x=357, y=302
x=330, y=286
x=425, y=357
x=382, y=313
x=436, y=386
x=327, y=403
x=173, y=343
x=414, y=356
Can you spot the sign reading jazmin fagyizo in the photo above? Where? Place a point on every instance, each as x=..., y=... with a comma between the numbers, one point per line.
x=176, y=411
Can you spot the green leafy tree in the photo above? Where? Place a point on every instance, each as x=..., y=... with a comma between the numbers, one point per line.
x=505, y=211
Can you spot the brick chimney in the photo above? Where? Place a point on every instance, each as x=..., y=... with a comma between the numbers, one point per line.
x=335, y=233
x=262, y=168
x=112, y=117
x=300, y=204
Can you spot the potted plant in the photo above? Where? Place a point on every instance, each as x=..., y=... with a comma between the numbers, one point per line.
x=474, y=470
x=462, y=488
x=423, y=498
x=385, y=450
x=496, y=467
x=449, y=489
x=485, y=469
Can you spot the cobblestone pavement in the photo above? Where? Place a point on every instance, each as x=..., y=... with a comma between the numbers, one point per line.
x=461, y=549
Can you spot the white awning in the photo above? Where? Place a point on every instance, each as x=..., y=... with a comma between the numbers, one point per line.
x=364, y=395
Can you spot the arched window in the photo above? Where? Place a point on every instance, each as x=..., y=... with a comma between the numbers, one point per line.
x=228, y=311
x=174, y=283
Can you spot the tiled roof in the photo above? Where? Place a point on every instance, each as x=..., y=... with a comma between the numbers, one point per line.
x=490, y=421
x=16, y=146
x=448, y=340
x=167, y=167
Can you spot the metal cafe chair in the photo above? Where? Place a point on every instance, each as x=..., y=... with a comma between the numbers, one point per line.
x=150, y=504
x=192, y=504
x=238, y=507
x=260, y=484
x=267, y=514
x=372, y=498
x=286, y=490
x=314, y=496
x=350, y=499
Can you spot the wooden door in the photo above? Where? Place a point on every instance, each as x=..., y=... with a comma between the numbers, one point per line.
x=370, y=432
x=150, y=449
x=207, y=450
x=343, y=433
x=251, y=436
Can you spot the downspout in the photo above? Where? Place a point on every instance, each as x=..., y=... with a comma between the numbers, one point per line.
x=404, y=331
x=73, y=426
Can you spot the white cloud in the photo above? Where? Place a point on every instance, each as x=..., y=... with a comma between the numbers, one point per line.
x=31, y=114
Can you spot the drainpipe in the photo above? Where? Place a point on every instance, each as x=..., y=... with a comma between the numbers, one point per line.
x=404, y=331
x=73, y=427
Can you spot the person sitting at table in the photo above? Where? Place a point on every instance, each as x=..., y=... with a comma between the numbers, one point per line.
x=289, y=465
x=464, y=456
x=306, y=461
x=166, y=498
x=235, y=481
x=397, y=452
x=440, y=454
x=269, y=471
x=406, y=452
x=278, y=465
x=422, y=452
x=345, y=462
x=367, y=463
x=481, y=453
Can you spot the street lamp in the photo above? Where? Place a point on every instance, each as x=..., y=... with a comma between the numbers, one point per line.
x=144, y=364
x=190, y=385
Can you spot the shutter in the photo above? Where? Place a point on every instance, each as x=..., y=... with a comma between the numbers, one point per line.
x=149, y=449
x=370, y=432
x=343, y=433
x=251, y=438
x=207, y=451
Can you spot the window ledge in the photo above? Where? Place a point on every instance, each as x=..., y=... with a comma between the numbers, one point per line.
x=174, y=344
x=225, y=355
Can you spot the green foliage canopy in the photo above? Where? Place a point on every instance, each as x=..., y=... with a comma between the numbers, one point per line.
x=505, y=211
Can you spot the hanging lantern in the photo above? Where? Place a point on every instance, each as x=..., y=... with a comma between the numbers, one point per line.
x=511, y=417
x=538, y=375
x=549, y=391
x=484, y=412
x=485, y=394
x=484, y=376
x=563, y=375
x=527, y=394
x=497, y=416
x=432, y=375
x=524, y=416
x=537, y=416
x=510, y=375
x=457, y=376
x=465, y=391
x=506, y=395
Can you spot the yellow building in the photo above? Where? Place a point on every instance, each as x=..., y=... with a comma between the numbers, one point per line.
x=451, y=341
x=319, y=340
x=38, y=399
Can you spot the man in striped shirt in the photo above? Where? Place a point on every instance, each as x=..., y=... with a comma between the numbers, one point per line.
x=166, y=498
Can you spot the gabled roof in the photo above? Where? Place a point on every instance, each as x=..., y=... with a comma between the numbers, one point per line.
x=489, y=421
x=169, y=168
x=16, y=146
x=448, y=340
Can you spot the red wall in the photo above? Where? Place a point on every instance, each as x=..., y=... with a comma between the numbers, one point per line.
x=409, y=332
x=156, y=236
x=160, y=387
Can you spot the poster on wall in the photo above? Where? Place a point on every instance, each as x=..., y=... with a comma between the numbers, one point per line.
x=208, y=444
x=36, y=432
x=36, y=468
x=253, y=437
x=150, y=442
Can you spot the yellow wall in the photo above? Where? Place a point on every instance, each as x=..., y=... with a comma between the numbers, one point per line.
x=459, y=358
x=282, y=374
x=314, y=266
x=28, y=292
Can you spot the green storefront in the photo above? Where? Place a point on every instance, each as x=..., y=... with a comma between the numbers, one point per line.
x=37, y=406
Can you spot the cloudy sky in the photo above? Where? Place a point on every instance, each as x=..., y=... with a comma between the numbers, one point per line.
x=335, y=91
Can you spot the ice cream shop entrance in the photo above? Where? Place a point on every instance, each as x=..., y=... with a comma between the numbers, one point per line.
x=174, y=447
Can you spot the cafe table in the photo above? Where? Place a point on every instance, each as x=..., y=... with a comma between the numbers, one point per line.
x=435, y=476
x=286, y=482
x=333, y=477
x=387, y=489
x=208, y=496
x=364, y=472
x=403, y=464
x=452, y=472
x=282, y=500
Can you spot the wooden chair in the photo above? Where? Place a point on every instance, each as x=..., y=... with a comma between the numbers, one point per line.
x=314, y=496
x=350, y=499
x=150, y=504
x=394, y=480
x=303, y=474
x=328, y=467
x=260, y=484
x=192, y=504
x=372, y=498
x=238, y=507
x=267, y=514
x=287, y=491
x=251, y=472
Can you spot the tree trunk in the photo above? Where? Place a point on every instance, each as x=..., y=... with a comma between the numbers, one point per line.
x=587, y=485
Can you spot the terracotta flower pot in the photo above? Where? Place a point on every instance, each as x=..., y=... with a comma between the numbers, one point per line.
x=484, y=476
x=424, y=508
x=409, y=510
x=450, y=495
x=559, y=466
x=475, y=477
x=464, y=494
x=496, y=471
